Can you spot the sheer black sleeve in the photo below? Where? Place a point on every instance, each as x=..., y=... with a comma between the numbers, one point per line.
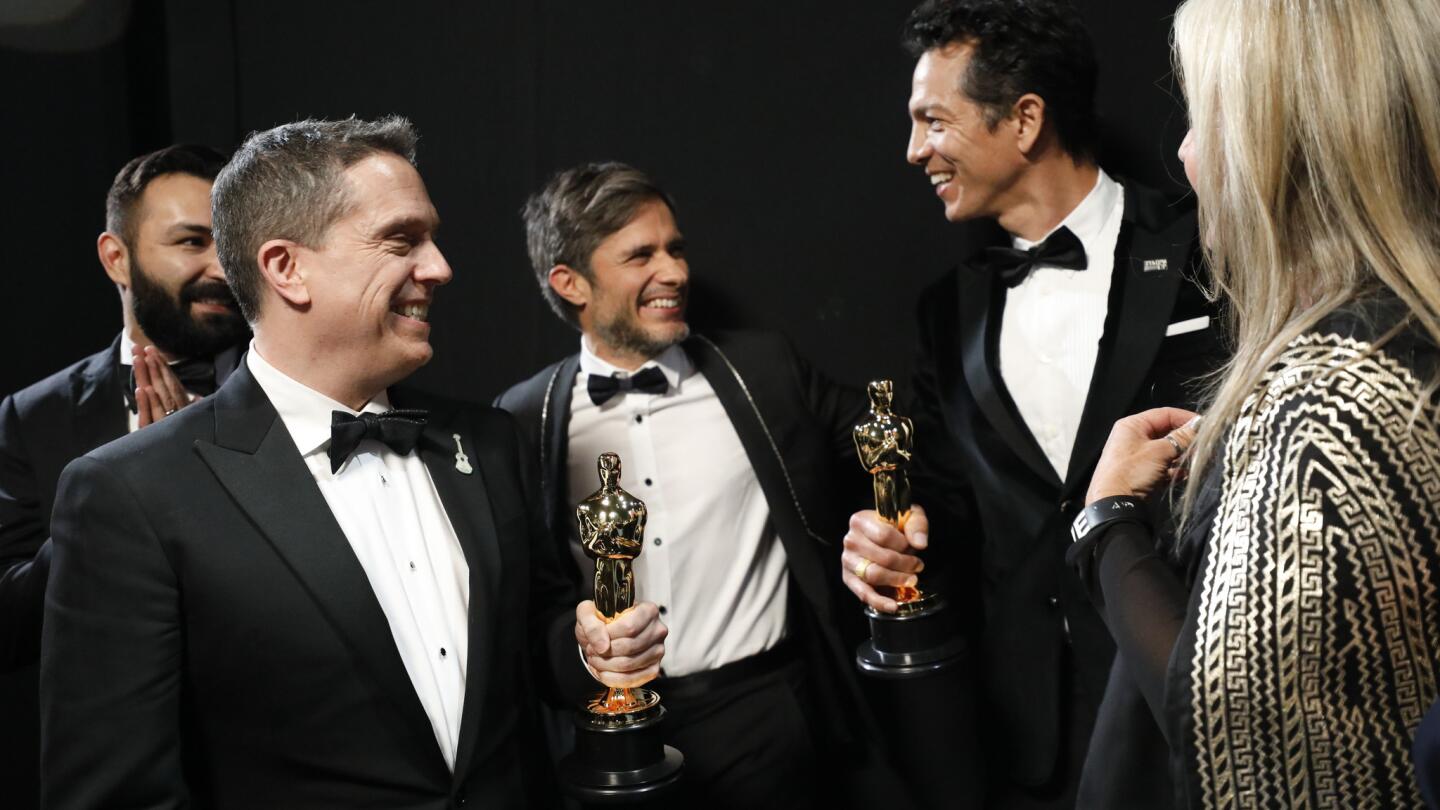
x=1141, y=600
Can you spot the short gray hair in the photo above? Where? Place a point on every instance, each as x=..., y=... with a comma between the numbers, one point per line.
x=288, y=183
x=575, y=212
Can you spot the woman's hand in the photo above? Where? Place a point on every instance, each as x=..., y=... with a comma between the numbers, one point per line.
x=1143, y=452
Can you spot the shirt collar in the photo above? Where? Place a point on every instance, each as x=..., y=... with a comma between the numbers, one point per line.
x=127, y=348
x=1089, y=217
x=674, y=363
x=305, y=411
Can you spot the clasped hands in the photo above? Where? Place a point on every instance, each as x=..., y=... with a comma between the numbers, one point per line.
x=158, y=392
x=624, y=652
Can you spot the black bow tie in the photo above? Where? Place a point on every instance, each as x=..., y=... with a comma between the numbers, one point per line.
x=197, y=375
x=1062, y=249
x=651, y=381
x=398, y=429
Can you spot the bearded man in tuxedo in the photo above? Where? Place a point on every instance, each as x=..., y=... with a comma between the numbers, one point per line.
x=181, y=335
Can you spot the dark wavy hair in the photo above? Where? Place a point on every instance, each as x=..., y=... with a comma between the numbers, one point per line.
x=123, y=199
x=1021, y=46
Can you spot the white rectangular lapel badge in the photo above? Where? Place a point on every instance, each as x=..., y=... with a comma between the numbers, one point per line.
x=1183, y=327
x=1156, y=265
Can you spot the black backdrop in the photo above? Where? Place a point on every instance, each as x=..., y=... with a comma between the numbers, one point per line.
x=779, y=127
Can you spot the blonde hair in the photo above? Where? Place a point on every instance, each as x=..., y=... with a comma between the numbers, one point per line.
x=1316, y=129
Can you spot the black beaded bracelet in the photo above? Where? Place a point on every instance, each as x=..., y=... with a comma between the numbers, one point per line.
x=1105, y=511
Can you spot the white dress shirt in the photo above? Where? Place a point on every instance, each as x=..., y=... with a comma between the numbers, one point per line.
x=1053, y=321
x=712, y=560
x=387, y=507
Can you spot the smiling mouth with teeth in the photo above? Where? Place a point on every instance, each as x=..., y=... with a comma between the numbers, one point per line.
x=940, y=178
x=418, y=312
x=662, y=303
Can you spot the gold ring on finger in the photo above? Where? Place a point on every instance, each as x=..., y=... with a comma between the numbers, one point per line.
x=861, y=567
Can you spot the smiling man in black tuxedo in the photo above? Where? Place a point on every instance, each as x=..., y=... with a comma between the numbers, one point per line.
x=158, y=251
x=181, y=336
x=304, y=590
x=1082, y=310
x=742, y=452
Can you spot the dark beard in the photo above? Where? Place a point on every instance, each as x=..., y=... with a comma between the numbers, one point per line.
x=168, y=324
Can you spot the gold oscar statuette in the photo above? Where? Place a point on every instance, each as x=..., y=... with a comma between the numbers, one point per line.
x=884, y=441
x=612, y=531
x=620, y=752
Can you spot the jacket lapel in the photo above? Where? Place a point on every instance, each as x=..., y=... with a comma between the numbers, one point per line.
x=467, y=504
x=1150, y=260
x=555, y=453
x=98, y=391
x=255, y=460
x=981, y=306
x=755, y=436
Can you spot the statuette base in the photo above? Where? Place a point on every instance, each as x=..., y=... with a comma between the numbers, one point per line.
x=918, y=640
x=621, y=757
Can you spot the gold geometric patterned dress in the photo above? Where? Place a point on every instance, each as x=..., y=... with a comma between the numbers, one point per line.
x=1311, y=647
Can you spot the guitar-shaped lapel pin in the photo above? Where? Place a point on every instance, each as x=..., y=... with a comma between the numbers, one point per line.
x=462, y=461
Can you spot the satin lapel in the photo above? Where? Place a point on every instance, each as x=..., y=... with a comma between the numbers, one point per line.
x=555, y=453
x=255, y=460
x=1141, y=302
x=744, y=412
x=98, y=392
x=467, y=504
x=981, y=305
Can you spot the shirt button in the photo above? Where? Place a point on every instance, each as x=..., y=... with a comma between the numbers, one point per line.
x=442, y=652
x=1053, y=601
x=664, y=610
x=648, y=482
x=657, y=541
x=412, y=565
x=1066, y=506
x=639, y=419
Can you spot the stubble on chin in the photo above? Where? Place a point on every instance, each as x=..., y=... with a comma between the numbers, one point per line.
x=627, y=337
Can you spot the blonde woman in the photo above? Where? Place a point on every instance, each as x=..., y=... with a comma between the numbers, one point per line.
x=1291, y=653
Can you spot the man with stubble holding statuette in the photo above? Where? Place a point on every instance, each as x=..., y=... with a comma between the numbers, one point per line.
x=1084, y=307
x=743, y=454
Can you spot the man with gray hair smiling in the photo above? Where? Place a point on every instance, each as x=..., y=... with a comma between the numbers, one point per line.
x=312, y=588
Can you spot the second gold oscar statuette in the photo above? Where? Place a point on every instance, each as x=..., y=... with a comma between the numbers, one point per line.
x=620, y=755
x=921, y=636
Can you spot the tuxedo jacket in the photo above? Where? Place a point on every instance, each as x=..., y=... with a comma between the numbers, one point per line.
x=210, y=637
x=1001, y=514
x=43, y=428
x=795, y=426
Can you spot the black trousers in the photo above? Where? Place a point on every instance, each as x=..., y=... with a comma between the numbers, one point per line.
x=1058, y=793
x=747, y=742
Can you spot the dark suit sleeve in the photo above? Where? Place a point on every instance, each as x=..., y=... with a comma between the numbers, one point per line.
x=940, y=482
x=24, y=546
x=836, y=405
x=552, y=598
x=110, y=672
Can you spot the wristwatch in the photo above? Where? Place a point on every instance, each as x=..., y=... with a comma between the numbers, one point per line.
x=1104, y=512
